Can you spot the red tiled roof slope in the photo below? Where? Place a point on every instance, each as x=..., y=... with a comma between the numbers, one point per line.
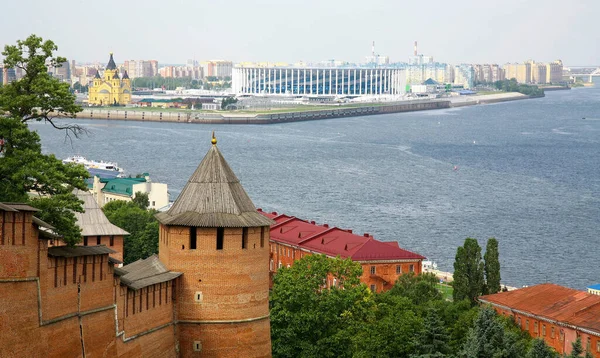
x=334, y=241
x=377, y=250
x=554, y=302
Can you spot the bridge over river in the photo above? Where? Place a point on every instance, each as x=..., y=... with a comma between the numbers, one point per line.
x=584, y=72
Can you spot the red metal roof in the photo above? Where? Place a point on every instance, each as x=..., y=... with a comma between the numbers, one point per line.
x=377, y=250
x=334, y=241
x=554, y=302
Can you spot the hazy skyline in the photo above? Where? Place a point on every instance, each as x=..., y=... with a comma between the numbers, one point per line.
x=457, y=31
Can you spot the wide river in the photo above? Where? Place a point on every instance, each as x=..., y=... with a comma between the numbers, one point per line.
x=526, y=172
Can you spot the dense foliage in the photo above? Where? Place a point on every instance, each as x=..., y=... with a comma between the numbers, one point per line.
x=513, y=86
x=135, y=218
x=227, y=101
x=27, y=175
x=491, y=267
x=313, y=317
x=468, y=272
x=472, y=276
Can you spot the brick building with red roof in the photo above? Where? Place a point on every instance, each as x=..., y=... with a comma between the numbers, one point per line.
x=382, y=262
x=554, y=313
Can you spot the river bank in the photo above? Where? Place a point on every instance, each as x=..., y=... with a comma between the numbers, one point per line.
x=282, y=116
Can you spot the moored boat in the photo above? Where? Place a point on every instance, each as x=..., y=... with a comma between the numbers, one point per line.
x=101, y=169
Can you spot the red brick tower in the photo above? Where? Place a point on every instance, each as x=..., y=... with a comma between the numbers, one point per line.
x=216, y=238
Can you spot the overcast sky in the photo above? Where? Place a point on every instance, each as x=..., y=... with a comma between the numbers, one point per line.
x=472, y=31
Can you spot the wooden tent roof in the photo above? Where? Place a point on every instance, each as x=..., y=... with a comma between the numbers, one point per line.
x=143, y=273
x=213, y=197
x=93, y=221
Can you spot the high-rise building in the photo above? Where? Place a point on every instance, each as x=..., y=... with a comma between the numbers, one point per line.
x=519, y=71
x=538, y=72
x=376, y=59
x=217, y=68
x=8, y=75
x=141, y=68
x=464, y=75
x=417, y=74
x=554, y=72
x=63, y=72
x=487, y=73
x=195, y=72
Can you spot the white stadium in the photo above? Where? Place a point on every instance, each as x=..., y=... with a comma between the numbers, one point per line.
x=319, y=81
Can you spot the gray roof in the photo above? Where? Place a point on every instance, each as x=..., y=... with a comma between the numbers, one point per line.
x=66, y=251
x=144, y=273
x=45, y=229
x=93, y=221
x=213, y=197
x=19, y=207
x=41, y=223
x=5, y=207
x=111, y=63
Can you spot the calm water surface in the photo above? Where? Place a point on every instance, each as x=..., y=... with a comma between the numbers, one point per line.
x=525, y=172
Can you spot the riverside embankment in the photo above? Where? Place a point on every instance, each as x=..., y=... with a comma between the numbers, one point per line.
x=282, y=116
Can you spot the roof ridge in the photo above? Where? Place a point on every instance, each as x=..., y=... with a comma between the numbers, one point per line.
x=316, y=235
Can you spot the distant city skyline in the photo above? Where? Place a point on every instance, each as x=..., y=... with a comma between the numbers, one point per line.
x=311, y=31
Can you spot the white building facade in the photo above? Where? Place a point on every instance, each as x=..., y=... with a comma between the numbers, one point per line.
x=319, y=81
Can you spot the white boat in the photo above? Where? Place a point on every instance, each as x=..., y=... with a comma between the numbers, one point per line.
x=101, y=169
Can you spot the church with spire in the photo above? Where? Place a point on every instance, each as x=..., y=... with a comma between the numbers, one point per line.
x=110, y=89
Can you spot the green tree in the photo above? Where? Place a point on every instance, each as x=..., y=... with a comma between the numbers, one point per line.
x=489, y=338
x=141, y=200
x=227, y=101
x=390, y=331
x=539, y=349
x=141, y=225
x=468, y=272
x=27, y=175
x=418, y=288
x=491, y=267
x=79, y=87
x=577, y=348
x=310, y=320
x=433, y=339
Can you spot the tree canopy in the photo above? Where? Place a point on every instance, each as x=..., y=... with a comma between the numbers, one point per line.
x=313, y=317
x=468, y=272
x=491, y=267
x=474, y=276
x=141, y=224
x=27, y=175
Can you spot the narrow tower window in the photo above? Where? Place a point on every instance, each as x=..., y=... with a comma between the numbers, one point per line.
x=262, y=236
x=192, y=238
x=220, y=234
x=244, y=238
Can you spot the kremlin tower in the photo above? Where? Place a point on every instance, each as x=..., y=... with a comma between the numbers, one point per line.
x=216, y=238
